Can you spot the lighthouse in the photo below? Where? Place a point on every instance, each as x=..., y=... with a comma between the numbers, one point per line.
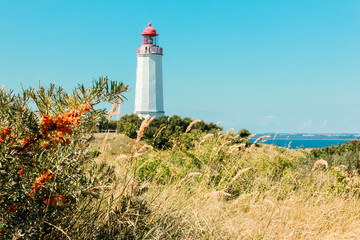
x=149, y=82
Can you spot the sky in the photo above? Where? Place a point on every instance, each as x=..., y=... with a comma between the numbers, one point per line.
x=264, y=65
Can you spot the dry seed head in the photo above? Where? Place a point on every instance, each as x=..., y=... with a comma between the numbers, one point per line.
x=275, y=135
x=121, y=157
x=159, y=132
x=217, y=194
x=296, y=175
x=144, y=147
x=207, y=136
x=229, y=131
x=103, y=144
x=218, y=123
x=221, y=136
x=187, y=176
x=238, y=174
x=193, y=174
x=289, y=144
x=192, y=124
x=320, y=162
x=254, y=143
x=137, y=155
x=236, y=147
x=112, y=110
x=252, y=135
x=222, y=146
x=260, y=138
x=233, y=149
x=145, y=123
x=242, y=197
x=342, y=167
x=117, y=113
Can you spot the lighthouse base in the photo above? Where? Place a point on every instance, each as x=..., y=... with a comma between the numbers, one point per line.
x=145, y=114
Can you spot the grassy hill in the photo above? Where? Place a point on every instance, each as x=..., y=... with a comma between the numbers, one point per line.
x=218, y=189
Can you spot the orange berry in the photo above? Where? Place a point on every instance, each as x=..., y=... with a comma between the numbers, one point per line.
x=14, y=207
x=21, y=172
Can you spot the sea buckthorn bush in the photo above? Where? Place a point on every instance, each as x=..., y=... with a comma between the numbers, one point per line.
x=44, y=135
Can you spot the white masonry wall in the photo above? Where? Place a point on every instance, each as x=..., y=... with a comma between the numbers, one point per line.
x=149, y=85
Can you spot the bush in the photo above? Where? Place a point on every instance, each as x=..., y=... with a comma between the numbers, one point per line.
x=43, y=152
x=345, y=154
x=244, y=133
x=163, y=131
x=105, y=124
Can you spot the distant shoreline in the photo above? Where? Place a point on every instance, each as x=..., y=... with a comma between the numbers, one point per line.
x=312, y=139
x=304, y=143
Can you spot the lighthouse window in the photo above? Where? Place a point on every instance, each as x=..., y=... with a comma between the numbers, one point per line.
x=149, y=40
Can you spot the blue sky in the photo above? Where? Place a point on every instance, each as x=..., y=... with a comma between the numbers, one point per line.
x=268, y=66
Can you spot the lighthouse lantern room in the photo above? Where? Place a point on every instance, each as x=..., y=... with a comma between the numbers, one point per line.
x=149, y=84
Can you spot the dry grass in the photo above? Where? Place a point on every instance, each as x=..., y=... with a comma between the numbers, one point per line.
x=260, y=138
x=209, y=216
x=298, y=206
x=275, y=135
x=115, y=105
x=191, y=125
x=239, y=173
x=320, y=162
x=115, y=148
x=145, y=123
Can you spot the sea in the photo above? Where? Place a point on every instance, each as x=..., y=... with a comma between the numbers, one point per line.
x=305, y=140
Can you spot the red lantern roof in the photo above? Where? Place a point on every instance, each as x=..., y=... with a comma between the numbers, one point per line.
x=149, y=31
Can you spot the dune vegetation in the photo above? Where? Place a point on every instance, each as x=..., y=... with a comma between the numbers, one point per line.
x=166, y=178
x=218, y=189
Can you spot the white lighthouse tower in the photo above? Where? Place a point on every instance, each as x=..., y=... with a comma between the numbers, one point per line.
x=149, y=83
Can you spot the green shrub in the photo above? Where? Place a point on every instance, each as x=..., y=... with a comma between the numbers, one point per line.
x=43, y=155
x=244, y=133
x=347, y=154
x=129, y=125
x=106, y=124
x=163, y=131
